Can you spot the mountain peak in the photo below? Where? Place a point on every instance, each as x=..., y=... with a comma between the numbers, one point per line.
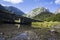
x=37, y=11
x=41, y=9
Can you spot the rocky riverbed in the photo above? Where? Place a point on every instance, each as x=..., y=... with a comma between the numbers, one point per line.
x=24, y=32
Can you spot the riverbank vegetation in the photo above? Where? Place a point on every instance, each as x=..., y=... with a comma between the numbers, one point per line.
x=44, y=24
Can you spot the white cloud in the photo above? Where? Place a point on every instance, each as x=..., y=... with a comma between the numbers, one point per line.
x=14, y=1
x=57, y=1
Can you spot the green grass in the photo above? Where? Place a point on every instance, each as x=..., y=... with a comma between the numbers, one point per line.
x=17, y=20
x=44, y=24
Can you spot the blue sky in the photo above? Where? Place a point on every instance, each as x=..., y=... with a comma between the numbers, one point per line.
x=27, y=5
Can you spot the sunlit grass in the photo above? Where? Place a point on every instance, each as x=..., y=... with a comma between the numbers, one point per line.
x=44, y=24
x=17, y=20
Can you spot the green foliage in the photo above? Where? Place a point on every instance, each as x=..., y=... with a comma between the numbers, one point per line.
x=43, y=16
x=44, y=24
x=55, y=17
x=47, y=16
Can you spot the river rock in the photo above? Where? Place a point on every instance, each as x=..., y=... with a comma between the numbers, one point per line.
x=27, y=35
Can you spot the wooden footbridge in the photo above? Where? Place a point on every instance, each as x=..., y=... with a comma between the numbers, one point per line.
x=12, y=18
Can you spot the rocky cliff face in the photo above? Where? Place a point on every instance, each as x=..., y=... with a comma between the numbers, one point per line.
x=36, y=11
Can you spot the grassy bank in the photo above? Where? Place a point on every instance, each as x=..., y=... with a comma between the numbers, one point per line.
x=44, y=24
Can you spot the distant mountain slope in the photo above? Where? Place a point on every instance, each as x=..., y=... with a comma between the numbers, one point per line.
x=11, y=9
x=14, y=10
x=39, y=13
x=55, y=17
x=36, y=11
x=43, y=16
x=2, y=8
